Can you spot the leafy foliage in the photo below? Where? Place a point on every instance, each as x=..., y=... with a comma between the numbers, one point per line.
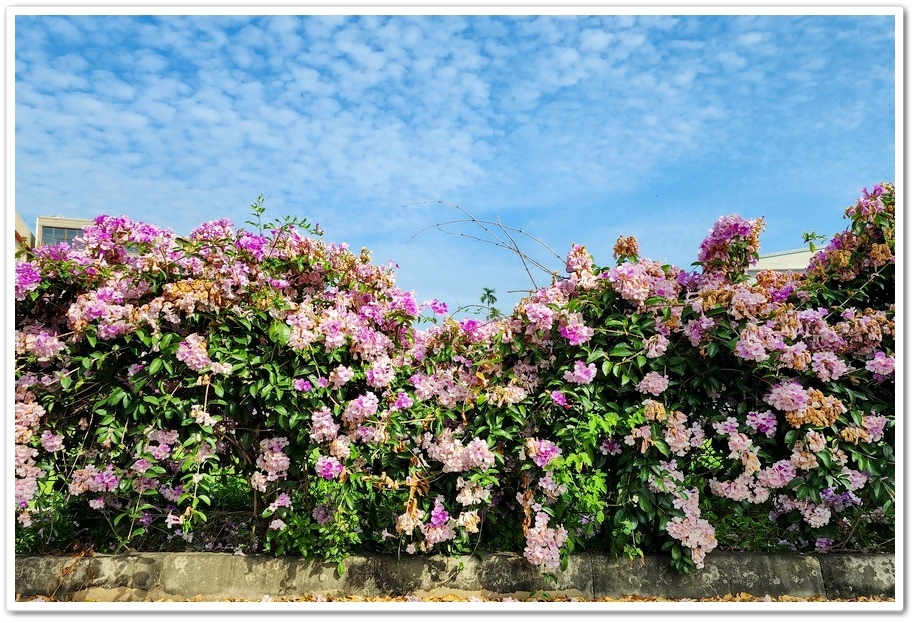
x=266, y=391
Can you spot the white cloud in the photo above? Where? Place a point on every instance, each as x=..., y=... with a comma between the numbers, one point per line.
x=349, y=120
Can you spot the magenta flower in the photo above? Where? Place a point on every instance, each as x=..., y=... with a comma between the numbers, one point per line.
x=302, y=385
x=27, y=279
x=558, y=399
x=439, y=516
x=328, y=467
x=575, y=331
x=763, y=422
x=439, y=308
x=403, y=401
x=541, y=451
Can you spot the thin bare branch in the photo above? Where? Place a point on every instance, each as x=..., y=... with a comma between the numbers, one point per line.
x=507, y=242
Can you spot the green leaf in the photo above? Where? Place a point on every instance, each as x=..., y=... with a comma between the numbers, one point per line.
x=620, y=350
x=155, y=365
x=279, y=332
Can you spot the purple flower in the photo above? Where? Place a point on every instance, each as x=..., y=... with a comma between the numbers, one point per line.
x=51, y=442
x=874, y=424
x=160, y=451
x=541, y=451
x=403, y=401
x=609, y=446
x=558, y=399
x=321, y=514
x=283, y=500
x=106, y=481
x=253, y=244
x=575, y=332
x=439, y=516
x=358, y=409
x=302, y=385
x=27, y=279
x=581, y=373
x=882, y=365
x=439, y=308
x=763, y=422
x=328, y=467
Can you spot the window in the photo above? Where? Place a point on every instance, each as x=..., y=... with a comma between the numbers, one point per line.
x=56, y=235
x=51, y=230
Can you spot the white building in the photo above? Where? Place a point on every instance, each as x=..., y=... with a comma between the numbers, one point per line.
x=56, y=229
x=24, y=237
x=783, y=261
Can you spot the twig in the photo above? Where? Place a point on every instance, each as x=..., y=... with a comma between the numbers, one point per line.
x=509, y=243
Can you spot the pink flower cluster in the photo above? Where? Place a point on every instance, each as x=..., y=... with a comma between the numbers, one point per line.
x=543, y=543
x=27, y=279
x=541, y=451
x=347, y=320
x=456, y=456
x=328, y=467
x=653, y=383
x=881, y=365
x=193, y=352
x=694, y=532
x=728, y=234
x=787, y=396
x=272, y=463
x=581, y=373
x=44, y=344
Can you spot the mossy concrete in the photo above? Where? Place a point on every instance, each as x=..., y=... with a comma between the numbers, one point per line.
x=218, y=577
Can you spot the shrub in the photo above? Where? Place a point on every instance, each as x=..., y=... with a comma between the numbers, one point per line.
x=609, y=410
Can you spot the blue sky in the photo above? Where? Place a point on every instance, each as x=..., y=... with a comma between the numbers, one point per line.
x=572, y=128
